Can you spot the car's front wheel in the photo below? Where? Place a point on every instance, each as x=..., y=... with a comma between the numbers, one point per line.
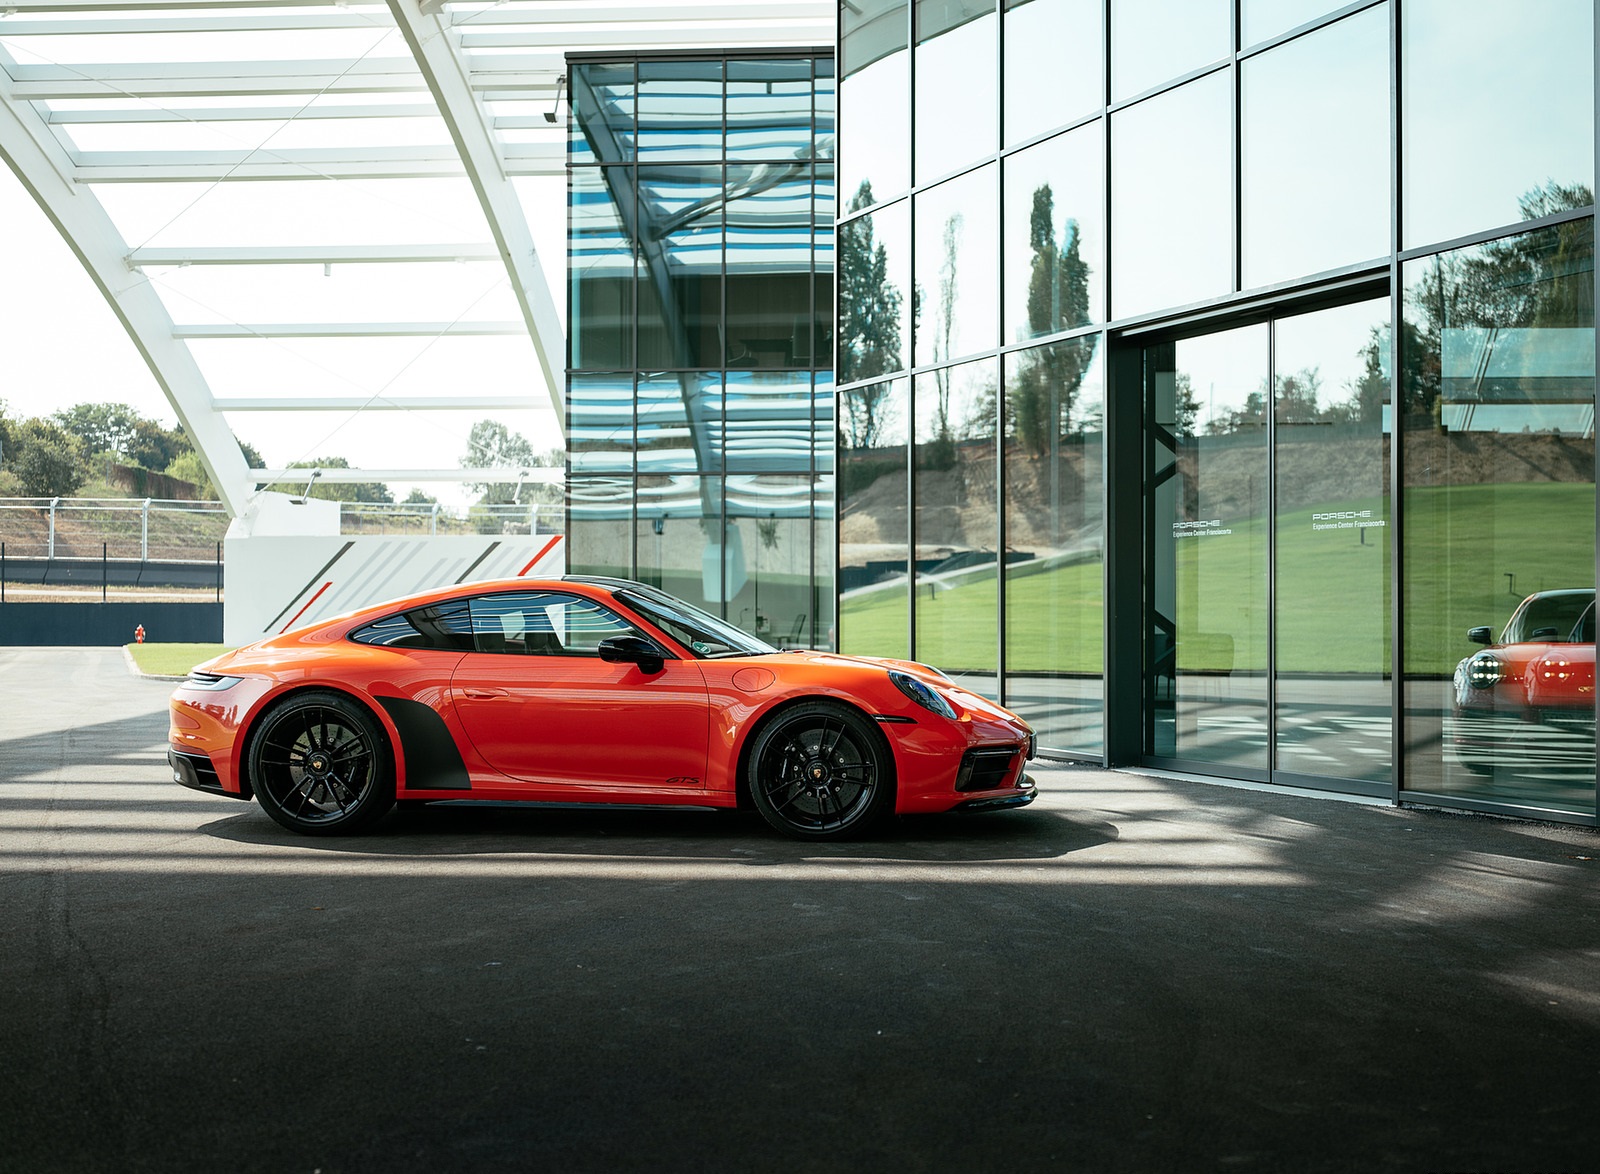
x=820, y=771
x=319, y=764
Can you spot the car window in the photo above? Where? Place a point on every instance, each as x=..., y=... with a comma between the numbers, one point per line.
x=443, y=626
x=543, y=623
x=1548, y=618
x=705, y=634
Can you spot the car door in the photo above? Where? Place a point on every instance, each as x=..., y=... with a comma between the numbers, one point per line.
x=541, y=706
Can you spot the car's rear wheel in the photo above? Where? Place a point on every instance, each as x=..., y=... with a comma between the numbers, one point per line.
x=820, y=771
x=319, y=765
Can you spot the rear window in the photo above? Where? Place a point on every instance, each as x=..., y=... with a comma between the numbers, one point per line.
x=445, y=626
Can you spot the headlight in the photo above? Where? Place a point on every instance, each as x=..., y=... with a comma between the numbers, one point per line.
x=1485, y=670
x=923, y=694
x=209, y=682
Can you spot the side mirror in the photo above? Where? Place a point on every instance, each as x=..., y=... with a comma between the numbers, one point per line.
x=1480, y=635
x=632, y=650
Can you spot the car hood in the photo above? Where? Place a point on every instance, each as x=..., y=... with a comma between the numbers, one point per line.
x=966, y=699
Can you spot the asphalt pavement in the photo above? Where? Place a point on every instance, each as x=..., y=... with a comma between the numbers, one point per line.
x=1136, y=973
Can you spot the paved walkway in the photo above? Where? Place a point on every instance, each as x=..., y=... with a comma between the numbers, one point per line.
x=1133, y=974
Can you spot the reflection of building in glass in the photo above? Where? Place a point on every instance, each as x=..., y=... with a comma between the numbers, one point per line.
x=1182, y=399
x=700, y=285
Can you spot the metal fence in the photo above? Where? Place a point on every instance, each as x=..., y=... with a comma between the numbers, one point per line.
x=431, y=518
x=143, y=530
x=156, y=530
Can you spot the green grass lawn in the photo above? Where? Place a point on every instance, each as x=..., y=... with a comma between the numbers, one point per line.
x=172, y=660
x=1472, y=553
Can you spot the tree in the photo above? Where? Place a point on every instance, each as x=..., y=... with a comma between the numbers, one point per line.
x=103, y=428
x=869, y=303
x=1044, y=388
x=493, y=445
x=189, y=467
x=51, y=460
x=153, y=446
x=1542, y=279
x=374, y=491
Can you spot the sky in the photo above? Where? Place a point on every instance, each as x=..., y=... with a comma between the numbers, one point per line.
x=63, y=345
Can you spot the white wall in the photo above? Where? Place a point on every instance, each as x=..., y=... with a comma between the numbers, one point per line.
x=273, y=584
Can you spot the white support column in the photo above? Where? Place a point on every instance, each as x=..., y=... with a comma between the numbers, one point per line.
x=33, y=152
x=449, y=79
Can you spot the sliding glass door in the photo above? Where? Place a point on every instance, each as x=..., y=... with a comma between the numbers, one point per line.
x=1267, y=546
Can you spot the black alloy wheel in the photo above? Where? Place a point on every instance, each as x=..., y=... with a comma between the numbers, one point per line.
x=319, y=765
x=820, y=771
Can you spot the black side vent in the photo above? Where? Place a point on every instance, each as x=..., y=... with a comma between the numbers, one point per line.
x=987, y=769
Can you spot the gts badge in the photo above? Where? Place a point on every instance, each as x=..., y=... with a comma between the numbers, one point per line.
x=683, y=781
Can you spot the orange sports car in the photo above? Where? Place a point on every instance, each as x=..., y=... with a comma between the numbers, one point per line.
x=583, y=690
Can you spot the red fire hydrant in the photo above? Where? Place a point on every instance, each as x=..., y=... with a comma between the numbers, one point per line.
x=138, y=634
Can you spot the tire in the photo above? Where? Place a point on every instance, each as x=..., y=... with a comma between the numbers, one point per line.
x=820, y=771
x=319, y=765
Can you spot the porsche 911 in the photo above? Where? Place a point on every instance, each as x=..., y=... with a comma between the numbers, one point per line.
x=583, y=690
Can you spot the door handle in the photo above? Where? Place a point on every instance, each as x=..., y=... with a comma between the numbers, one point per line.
x=481, y=694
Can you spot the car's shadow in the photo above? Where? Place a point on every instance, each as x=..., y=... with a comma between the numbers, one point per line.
x=488, y=829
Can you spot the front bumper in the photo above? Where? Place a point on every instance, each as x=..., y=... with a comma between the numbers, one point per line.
x=196, y=772
x=1025, y=793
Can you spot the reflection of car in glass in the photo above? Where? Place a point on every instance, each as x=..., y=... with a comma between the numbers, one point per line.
x=583, y=690
x=1542, y=666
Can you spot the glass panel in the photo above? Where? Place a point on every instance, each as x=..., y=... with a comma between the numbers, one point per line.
x=769, y=109
x=824, y=208
x=1207, y=656
x=957, y=525
x=1265, y=19
x=1055, y=538
x=874, y=525
x=956, y=275
x=825, y=628
x=680, y=258
x=600, y=526
x=1498, y=402
x=1331, y=392
x=1154, y=41
x=599, y=268
x=1172, y=187
x=769, y=524
x=767, y=418
x=601, y=112
x=680, y=110
x=824, y=108
x=1497, y=109
x=677, y=517
x=600, y=432
x=875, y=151
x=680, y=423
x=958, y=94
x=1316, y=151
x=823, y=434
x=769, y=224
x=1055, y=235
x=874, y=292
x=1055, y=64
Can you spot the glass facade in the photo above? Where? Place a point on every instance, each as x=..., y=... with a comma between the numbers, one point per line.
x=700, y=405
x=1216, y=382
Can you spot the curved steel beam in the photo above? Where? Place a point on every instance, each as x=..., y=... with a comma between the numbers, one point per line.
x=34, y=154
x=450, y=81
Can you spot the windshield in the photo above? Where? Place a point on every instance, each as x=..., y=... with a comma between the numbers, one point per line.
x=702, y=633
